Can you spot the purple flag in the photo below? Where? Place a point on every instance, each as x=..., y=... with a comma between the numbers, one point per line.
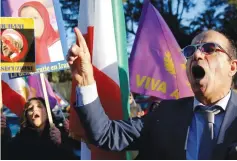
x=156, y=66
x=36, y=89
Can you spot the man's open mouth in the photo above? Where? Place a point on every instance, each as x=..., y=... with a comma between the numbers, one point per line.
x=198, y=72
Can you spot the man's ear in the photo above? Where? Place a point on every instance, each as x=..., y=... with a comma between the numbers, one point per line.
x=233, y=68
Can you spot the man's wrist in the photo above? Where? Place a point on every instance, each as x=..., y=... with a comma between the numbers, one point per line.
x=86, y=81
x=90, y=80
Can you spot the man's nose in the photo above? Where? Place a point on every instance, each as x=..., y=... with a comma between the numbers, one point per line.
x=198, y=54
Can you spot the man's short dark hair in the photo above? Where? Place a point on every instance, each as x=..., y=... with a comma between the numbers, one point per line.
x=232, y=51
x=232, y=48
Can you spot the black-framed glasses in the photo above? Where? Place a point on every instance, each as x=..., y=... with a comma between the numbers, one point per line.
x=206, y=48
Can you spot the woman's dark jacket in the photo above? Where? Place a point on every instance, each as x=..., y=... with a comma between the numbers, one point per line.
x=29, y=145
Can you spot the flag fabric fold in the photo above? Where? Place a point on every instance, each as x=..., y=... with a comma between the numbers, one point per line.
x=14, y=93
x=156, y=65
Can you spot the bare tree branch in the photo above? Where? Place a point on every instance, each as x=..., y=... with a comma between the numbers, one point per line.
x=170, y=7
x=182, y=11
x=177, y=10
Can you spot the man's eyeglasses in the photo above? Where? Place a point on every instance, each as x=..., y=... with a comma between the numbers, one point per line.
x=206, y=48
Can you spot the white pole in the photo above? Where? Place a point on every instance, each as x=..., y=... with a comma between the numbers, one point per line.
x=46, y=99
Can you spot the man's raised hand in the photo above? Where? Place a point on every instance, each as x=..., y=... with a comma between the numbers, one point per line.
x=79, y=60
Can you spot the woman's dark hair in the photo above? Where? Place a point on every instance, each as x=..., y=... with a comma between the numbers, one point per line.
x=24, y=120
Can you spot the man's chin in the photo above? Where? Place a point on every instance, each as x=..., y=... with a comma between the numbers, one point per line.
x=200, y=90
x=199, y=86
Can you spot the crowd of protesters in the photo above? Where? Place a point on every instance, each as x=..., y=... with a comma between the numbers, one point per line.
x=38, y=139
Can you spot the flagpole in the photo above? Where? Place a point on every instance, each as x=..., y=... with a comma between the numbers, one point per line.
x=46, y=99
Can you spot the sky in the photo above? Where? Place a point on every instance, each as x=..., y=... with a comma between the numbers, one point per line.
x=193, y=13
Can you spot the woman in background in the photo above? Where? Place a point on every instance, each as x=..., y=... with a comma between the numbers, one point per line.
x=36, y=139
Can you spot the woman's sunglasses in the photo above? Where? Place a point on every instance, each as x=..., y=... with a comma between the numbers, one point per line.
x=206, y=48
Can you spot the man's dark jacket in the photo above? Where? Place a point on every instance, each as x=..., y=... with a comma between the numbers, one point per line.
x=160, y=134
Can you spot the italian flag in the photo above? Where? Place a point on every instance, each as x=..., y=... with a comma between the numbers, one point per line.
x=102, y=23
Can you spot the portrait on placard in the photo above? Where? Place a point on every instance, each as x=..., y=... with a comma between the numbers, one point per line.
x=48, y=45
x=17, y=45
x=12, y=45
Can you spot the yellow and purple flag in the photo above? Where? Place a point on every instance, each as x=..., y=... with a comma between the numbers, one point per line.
x=156, y=66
